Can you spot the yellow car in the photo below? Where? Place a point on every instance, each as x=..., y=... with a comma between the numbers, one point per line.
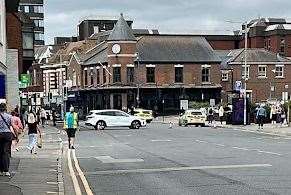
x=192, y=117
x=146, y=115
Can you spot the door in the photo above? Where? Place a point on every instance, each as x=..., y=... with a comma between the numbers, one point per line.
x=108, y=117
x=122, y=119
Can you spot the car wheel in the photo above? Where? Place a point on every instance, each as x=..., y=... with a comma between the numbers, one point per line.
x=135, y=125
x=100, y=125
x=203, y=125
x=180, y=124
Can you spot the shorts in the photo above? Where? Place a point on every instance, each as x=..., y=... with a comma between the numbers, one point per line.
x=71, y=132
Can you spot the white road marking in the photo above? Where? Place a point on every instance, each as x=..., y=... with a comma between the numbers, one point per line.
x=161, y=140
x=109, y=159
x=52, y=192
x=73, y=175
x=52, y=183
x=266, y=152
x=81, y=174
x=122, y=135
x=110, y=172
x=220, y=145
x=239, y=148
x=201, y=141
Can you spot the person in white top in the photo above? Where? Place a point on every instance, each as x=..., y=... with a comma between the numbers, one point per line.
x=221, y=113
x=43, y=116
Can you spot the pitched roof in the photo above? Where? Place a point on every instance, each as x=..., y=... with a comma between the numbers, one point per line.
x=121, y=31
x=175, y=49
x=254, y=55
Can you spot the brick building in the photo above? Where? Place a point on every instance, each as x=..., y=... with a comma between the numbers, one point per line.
x=267, y=74
x=125, y=71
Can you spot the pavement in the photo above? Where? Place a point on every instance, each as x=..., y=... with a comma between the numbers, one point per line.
x=272, y=129
x=182, y=160
x=39, y=173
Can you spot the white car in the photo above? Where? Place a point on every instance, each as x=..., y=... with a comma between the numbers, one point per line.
x=100, y=119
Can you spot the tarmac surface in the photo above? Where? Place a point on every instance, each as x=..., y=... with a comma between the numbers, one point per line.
x=184, y=160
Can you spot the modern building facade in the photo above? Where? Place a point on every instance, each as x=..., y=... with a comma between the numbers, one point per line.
x=34, y=9
x=95, y=24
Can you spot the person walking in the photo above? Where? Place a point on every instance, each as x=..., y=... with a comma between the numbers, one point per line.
x=261, y=115
x=210, y=115
x=6, y=136
x=43, y=116
x=54, y=116
x=18, y=129
x=33, y=131
x=221, y=113
x=70, y=125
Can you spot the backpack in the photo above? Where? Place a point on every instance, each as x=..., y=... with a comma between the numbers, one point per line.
x=70, y=120
x=31, y=118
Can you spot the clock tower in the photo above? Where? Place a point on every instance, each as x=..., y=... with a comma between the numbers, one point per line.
x=121, y=53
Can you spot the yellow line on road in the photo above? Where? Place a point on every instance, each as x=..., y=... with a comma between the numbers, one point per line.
x=82, y=176
x=73, y=175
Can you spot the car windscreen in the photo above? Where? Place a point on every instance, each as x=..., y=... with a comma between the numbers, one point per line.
x=196, y=113
x=146, y=112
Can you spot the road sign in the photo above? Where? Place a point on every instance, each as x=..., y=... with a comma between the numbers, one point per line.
x=238, y=86
x=212, y=102
x=184, y=104
x=25, y=78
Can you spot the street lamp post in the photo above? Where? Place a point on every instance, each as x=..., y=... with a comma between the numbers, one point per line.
x=137, y=80
x=245, y=75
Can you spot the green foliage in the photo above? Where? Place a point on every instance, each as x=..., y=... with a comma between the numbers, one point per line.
x=198, y=105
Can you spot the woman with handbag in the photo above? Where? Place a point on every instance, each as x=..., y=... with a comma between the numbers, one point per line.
x=6, y=136
x=33, y=131
x=18, y=129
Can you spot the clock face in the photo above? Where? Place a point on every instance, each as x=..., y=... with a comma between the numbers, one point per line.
x=116, y=48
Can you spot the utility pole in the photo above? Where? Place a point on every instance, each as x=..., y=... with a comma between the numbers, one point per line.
x=137, y=80
x=245, y=75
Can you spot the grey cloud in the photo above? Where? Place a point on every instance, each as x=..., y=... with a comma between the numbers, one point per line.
x=62, y=16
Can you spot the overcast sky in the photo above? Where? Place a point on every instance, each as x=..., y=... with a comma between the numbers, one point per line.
x=168, y=16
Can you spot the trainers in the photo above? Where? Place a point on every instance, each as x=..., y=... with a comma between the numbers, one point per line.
x=72, y=147
x=7, y=174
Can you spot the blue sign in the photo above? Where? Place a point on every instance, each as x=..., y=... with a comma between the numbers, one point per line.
x=238, y=85
x=2, y=86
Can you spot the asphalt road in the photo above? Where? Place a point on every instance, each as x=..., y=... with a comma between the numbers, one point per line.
x=184, y=160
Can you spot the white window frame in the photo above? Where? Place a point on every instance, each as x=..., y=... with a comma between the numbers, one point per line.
x=279, y=66
x=26, y=8
x=206, y=66
x=243, y=72
x=224, y=73
x=265, y=72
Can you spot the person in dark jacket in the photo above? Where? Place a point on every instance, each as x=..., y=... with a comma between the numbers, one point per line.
x=261, y=115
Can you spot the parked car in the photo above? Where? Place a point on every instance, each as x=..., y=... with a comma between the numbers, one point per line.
x=192, y=117
x=146, y=115
x=100, y=119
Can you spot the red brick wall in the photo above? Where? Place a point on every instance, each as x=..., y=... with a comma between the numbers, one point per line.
x=14, y=37
x=222, y=45
x=261, y=86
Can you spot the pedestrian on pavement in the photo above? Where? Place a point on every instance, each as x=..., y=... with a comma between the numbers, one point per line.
x=210, y=115
x=6, y=135
x=221, y=113
x=18, y=129
x=33, y=131
x=261, y=115
x=38, y=115
x=273, y=114
x=43, y=116
x=54, y=114
x=25, y=118
x=70, y=125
